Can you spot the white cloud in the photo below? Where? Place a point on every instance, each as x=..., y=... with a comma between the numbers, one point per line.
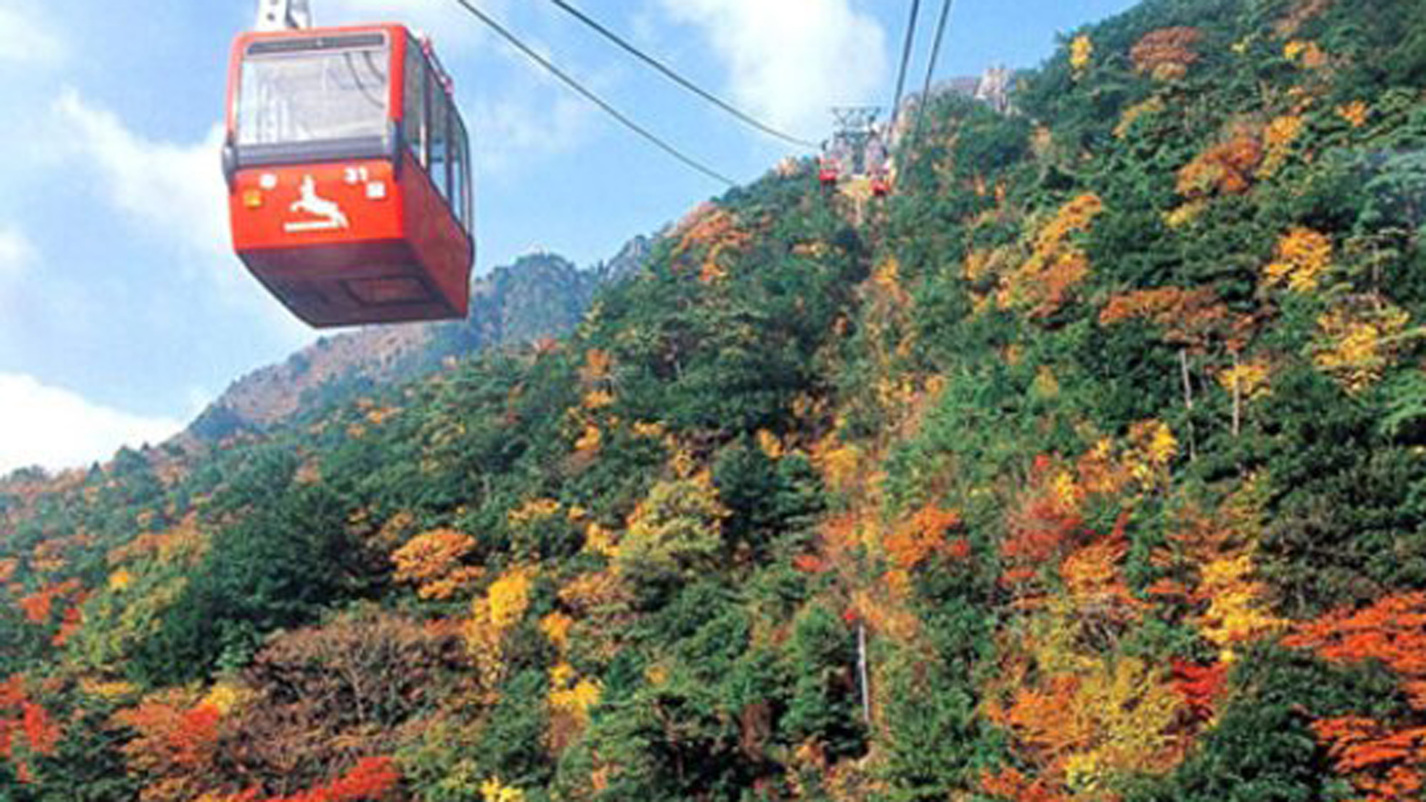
x=790, y=60
x=176, y=190
x=25, y=41
x=56, y=428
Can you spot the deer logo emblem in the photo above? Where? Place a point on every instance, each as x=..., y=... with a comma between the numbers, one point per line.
x=310, y=203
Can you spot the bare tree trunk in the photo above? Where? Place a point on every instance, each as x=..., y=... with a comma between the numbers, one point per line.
x=1188, y=403
x=862, y=672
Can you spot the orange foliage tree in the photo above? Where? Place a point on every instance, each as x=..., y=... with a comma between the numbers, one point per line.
x=710, y=231
x=433, y=562
x=1190, y=318
x=1224, y=169
x=38, y=607
x=1012, y=785
x=923, y=534
x=1167, y=53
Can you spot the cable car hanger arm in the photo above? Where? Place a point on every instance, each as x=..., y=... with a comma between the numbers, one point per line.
x=283, y=15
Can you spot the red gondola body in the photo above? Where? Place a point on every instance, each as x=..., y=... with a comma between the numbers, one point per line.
x=828, y=171
x=349, y=175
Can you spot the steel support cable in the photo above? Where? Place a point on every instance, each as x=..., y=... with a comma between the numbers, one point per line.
x=589, y=95
x=905, y=61
x=946, y=6
x=669, y=73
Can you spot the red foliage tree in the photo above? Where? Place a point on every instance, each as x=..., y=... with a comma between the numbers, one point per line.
x=41, y=731
x=174, y=746
x=1042, y=527
x=1202, y=687
x=371, y=780
x=1382, y=759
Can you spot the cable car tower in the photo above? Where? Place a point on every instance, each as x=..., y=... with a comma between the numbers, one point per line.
x=855, y=127
x=348, y=171
x=858, y=150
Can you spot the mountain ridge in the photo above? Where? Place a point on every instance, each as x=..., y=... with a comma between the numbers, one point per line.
x=539, y=295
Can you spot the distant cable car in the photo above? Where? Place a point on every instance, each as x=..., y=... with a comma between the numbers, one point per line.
x=828, y=171
x=878, y=165
x=348, y=170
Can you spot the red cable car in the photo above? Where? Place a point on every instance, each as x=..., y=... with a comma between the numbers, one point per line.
x=880, y=184
x=348, y=171
x=828, y=171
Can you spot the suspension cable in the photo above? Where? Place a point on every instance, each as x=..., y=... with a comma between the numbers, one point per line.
x=946, y=6
x=589, y=95
x=905, y=62
x=669, y=73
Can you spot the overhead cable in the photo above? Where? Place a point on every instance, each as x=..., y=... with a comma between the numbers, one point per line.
x=589, y=95
x=669, y=73
x=946, y=6
x=905, y=61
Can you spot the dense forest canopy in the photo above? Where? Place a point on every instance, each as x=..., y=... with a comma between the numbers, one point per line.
x=1091, y=465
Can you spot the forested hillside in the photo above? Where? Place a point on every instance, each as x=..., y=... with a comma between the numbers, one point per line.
x=1091, y=465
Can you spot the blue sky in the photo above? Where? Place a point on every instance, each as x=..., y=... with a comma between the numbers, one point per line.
x=121, y=310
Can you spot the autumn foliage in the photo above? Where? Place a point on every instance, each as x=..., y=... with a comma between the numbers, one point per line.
x=433, y=562
x=1382, y=759
x=1046, y=280
x=27, y=729
x=1302, y=257
x=1227, y=168
x=176, y=737
x=1167, y=53
x=1191, y=318
x=708, y=234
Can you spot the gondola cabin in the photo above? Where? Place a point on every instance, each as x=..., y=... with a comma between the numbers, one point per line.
x=348, y=170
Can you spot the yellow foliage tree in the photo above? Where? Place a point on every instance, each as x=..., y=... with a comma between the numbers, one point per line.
x=1081, y=54
x=1211, y=563
x=1278, y=139
x=676, y=531
x=1303, y=255
x=1251, y=379
x=492, y=617
x=492, y=790
x=1356, y=344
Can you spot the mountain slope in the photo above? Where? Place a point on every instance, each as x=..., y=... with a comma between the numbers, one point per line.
x=539, y=296
x=1090, y=466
